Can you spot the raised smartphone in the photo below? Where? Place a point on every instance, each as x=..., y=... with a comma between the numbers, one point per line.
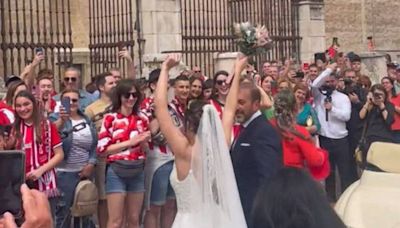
x=66, y=103
x=12, y=176
x=39, y=49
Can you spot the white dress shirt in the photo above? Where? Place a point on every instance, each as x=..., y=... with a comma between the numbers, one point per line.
x=255, y=115
x=335, y=127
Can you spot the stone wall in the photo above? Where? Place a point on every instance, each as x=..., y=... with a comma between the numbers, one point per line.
x=352, y=21
x=311, y=29
x=80, y=23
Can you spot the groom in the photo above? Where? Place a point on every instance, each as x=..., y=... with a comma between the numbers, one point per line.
x=256, y=153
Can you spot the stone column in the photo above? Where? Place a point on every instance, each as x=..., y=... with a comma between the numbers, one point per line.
x=161, y=21
x=225, y=61
x=311, y=29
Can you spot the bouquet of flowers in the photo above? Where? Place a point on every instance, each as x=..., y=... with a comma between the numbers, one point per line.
x=252, y=40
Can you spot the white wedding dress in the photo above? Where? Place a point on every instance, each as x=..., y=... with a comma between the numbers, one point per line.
x=208, y=197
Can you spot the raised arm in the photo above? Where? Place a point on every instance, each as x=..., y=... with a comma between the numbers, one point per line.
x=176, y=140
x=28, y=74
x=288, y=65
x=320, y=80
x=124, y=53
x=228, y=115
x=266, y=101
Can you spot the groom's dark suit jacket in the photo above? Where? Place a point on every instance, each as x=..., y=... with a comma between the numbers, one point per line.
x=256, y=157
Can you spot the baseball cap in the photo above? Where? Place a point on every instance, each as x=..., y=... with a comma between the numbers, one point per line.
x=10, y=79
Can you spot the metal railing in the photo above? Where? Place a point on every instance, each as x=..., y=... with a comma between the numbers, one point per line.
x=207, y=28
x=29, y=24
x=112, y=25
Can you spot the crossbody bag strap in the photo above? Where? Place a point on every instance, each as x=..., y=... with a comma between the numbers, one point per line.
x=364, y=131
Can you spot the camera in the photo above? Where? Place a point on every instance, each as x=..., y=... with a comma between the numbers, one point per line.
x=299, y=74
x=349, y=88
x=347, y=82
x=377, y=96
x=327, y=92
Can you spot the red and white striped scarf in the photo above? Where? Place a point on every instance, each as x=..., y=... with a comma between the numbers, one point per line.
x=38, y=155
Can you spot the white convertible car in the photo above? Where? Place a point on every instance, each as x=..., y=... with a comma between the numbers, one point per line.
x=374, y=200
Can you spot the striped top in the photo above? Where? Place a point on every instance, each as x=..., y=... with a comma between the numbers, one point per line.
x=79, y=154
x=117, y=128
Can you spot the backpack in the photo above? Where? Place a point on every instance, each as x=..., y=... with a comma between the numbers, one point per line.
x=85, y=199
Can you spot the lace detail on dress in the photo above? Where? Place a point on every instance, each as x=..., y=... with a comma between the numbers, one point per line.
x=183, y=190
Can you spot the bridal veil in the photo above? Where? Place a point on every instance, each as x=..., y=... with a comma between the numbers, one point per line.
x=217, y=198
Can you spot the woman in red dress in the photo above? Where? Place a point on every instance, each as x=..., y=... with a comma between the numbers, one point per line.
x=298, y=148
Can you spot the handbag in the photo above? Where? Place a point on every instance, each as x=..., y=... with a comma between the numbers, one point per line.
x=362, y=144
x=85, y=199
x=127, y=169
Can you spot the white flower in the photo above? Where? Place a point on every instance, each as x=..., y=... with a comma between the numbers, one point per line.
x=236, y=29
x=246, y=25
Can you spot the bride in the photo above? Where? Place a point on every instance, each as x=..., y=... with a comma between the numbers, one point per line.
x=203, y=178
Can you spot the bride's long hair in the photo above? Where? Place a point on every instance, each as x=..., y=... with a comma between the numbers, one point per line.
x=193, y=115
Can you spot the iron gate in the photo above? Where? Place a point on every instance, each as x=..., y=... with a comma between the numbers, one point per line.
x=207, y=28
x=112, y=26
x=29, y=24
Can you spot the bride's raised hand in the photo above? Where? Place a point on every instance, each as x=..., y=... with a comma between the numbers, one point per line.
x=241, y=63
x=171, y=61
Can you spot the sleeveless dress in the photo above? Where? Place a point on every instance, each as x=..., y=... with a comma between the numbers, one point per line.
x=184, y=217
x=188, y=196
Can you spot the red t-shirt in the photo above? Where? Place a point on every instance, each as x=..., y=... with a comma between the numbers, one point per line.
x=298, y=152
x=117, y=128
x=31, y=147
x=6, y=114
x=147, y=107
x=396, y=102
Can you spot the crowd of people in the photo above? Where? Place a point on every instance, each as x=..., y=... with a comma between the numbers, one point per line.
x=145, y=151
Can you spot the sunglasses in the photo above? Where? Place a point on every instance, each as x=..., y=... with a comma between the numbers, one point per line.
x=220, y=82
x=128, y=95
x=68, y=79
x=73, y=100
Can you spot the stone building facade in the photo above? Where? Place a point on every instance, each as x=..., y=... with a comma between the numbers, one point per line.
x=352, y=21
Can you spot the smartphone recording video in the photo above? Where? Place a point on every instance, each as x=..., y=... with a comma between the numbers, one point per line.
x=39, y=50
x=66, y=103
x=12, y=176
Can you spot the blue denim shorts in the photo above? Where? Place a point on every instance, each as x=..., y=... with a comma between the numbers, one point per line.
x=161, y=189
x=116, y=184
